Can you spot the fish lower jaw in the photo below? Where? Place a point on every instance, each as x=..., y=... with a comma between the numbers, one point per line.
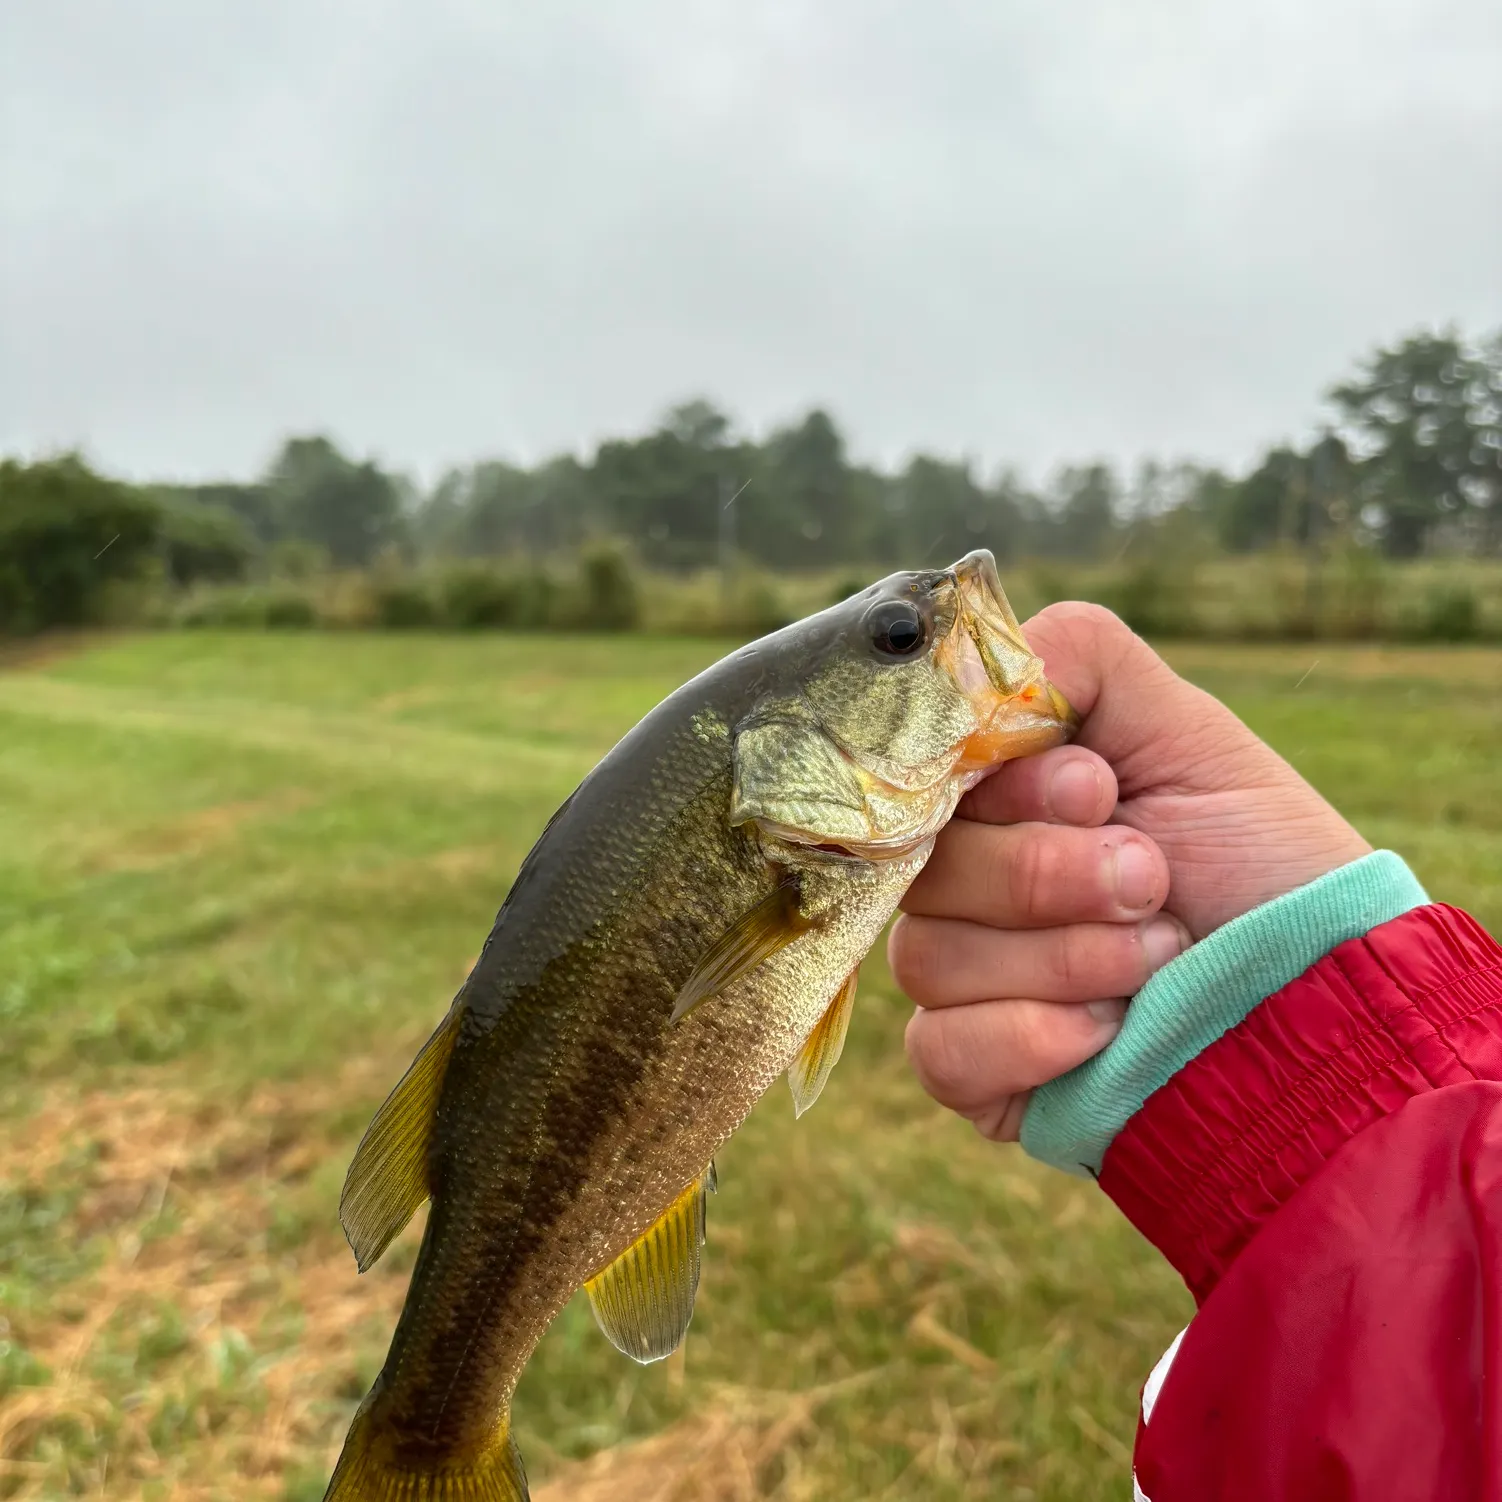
x=1022, y=725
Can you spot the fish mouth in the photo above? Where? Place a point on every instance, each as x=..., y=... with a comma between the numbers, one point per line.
x=1014, y=711
x=1019, y=710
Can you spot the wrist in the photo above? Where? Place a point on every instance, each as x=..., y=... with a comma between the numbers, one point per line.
x=1309, y=848
x=1235, y=867
x=1204, y=993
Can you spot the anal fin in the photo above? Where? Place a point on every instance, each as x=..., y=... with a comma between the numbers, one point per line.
x=822, y=1048
x=388, y=1178
x=644, y=1300
x=754, y=937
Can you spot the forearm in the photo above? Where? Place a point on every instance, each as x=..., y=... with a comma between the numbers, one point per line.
x=1325, y=1171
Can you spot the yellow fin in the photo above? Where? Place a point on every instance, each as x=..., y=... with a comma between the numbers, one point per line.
x=644, y=1300
x=821, y=1051
x=369, y=1469
x=388, y=1178
x=755, y=936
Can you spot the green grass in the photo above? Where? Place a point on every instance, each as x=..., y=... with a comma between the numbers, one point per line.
x=240, y=878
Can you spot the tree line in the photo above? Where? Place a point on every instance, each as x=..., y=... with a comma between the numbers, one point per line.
x=1409, y=462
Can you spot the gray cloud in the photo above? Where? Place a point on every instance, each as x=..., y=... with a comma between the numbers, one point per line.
x=443, y=228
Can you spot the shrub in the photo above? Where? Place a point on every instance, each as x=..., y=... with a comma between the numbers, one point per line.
x=494, y=596
x=65, y=535
x=479, y=596
x=1153, y=598
x=286, y=611
x=15, y=598
x=403, y=604
x=1286, y=580
x=202, y=542
x=760, y=608
x=296, y=558
x=609, y=599
x=538, y=599
x=1046, y=585
x=1359, y=586
x=1356, y=595
x=1452, y=613
x=212, y=609
x=249, y=609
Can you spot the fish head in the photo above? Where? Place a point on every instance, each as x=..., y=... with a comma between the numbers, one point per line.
x=887, y=708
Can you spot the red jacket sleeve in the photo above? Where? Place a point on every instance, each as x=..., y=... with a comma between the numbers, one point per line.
x=1327, y=1178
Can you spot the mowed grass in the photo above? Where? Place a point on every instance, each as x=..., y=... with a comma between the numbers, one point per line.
x=241, y=878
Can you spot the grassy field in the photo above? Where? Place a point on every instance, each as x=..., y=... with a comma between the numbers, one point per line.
x=240, y=879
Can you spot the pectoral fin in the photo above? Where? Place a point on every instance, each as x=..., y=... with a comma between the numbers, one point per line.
x=756, y=936
x=644, y=1300
x=388, y=1178
x=821, y=1052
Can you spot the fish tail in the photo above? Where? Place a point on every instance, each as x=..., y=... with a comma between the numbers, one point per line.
x=372, y=1468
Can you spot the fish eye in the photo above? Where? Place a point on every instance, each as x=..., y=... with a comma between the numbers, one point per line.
x=896, y=628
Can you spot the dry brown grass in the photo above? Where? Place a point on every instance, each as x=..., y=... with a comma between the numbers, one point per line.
x=178, y=1198
x=193, y=833
x=742, y=1446
x=178, y=1195
x=29, y=653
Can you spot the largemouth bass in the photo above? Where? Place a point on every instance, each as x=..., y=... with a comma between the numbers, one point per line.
x=688, y=928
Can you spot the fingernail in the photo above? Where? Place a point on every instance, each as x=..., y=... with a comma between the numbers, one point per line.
x=1162, y=940
x=1074, y=791
x=1107, y=1013
x=1136, y=875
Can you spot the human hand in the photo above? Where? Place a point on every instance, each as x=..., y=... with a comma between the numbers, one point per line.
x=1035, y=918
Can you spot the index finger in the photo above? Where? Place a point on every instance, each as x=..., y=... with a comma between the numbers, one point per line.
x=1039, y=875
x=1068, y=785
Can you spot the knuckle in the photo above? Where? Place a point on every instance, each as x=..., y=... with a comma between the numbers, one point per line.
x=1085, y=615
x=1047, y=1039
x=1031, y=1040
x=937, y=1051
x=1091, y=963
x=1074, y=964
x=1031, y=871
x=1002, y=1122
x=1088, y=626
x=910, y=954
x=1099, y=635
x=992, y=1122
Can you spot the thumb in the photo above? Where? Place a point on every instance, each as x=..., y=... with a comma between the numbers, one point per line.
x=1151, y=725
x=1237, y=823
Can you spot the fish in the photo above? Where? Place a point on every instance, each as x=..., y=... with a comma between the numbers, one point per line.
x=688, y=927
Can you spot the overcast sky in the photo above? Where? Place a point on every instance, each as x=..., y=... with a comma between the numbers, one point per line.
x=441, y=229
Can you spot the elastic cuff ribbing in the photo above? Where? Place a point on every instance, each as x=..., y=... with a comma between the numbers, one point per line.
x=1204, y=993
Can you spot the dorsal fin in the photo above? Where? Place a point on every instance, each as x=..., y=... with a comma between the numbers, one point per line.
x=644, y=1300
x=822, y=1048
x=388, y=1178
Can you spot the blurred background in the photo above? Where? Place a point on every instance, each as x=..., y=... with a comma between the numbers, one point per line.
x=394, y=406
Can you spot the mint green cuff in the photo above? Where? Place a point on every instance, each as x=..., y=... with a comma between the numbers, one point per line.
x=1206, y=991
